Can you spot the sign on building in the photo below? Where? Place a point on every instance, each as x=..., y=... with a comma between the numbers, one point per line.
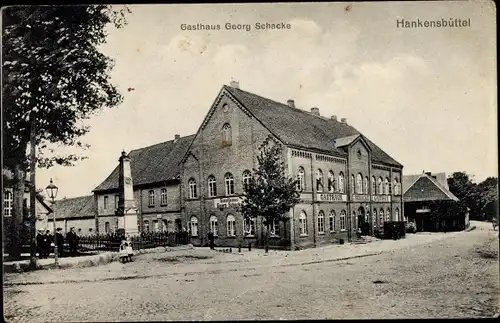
x=332, y=197
x=227, y=202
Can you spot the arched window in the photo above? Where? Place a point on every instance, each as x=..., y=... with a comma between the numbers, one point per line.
x=321, y=222
x=275, y=228
x=331, y=182
x=193, y=226
x=106, y=200
x=7, y=203
x=229, y=180
x=231, y=222
x=332, y=221
x=374, y=216
x=214, y=225
x=359, y=184
x=388, y=215
x=319, y=180
x=341, y=187
x=365, y=185
x=151, y=198
x=342, y=220
x=303, y=223
x=249, y=227
x=396, y=187
x=380, y=187
x=354, y=220
x=396, y=214
x=156, y=226
x=212, y=186
x=226, y=135
x=107, y=227
x=301, y=174
x=381, y=218
x=352, y=185
x=374, y=186
x=246, y=177
x=163, y=196
x=192, y=189
x=386, y=186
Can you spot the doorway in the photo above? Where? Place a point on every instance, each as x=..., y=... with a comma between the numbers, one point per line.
x=363, y=222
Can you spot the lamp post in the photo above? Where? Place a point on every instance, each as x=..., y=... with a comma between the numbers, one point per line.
x=52, y=193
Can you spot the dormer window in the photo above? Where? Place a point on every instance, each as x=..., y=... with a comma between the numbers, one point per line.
x=226, y=135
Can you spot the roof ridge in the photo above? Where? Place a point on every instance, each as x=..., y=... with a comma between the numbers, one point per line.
x=443, y=189
x=160, y=143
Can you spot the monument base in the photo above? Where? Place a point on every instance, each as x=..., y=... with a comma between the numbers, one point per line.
x=128, y=223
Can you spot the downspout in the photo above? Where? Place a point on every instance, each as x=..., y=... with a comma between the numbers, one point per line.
x=391, y=193
x=96, y=213
x=348, y=190
x=313, y=199
x=202, y=191
x=141, y=214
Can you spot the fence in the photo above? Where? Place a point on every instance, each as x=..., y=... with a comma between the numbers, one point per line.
x=111, y=242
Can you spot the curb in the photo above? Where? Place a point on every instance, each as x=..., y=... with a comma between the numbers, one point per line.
x=89, y=261
x=470, y=228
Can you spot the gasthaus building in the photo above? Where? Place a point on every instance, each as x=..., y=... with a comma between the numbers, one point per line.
x=345, y=179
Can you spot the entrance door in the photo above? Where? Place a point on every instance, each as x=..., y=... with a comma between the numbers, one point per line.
x=363, y=223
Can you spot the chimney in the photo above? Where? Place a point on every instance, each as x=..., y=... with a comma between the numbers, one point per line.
x=235, y=84
x=343, y=120
x=315, y=111
x=291, y=103
x=177, y=137
x=428, y=173
x=334, y=118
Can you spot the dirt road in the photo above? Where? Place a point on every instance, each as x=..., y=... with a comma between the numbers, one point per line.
x=452, y=277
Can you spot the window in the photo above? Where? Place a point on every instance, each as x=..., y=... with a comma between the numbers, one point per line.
x=163, y=196
x=359, y=184
x=226, y=135
x=352, y=185
x=7, y=203
x=275, y=228
x=193, y=226
x=396, y=213
x=342, y=220
x=386, y=186
x=303, y=223
x=146, y=226
x=151, y=198
x=301, y=178
x=374, y=186
x=374, y=216
x=107, y=227
x=341, y=187
x=381, y=218
x=90, y=229
x=319, y=180
x=156, y=226
x=388, y=215
x=331, y=182
x=117, y=199
x=192, y=189
x=212, y=186
x=354, y=220
x=106, y=198
x=365, y=185
x=396, y=187
x=229, y=180
x=213, y=225
x=321, y=222
x=231, y=221
x=379, y=191
x=246, y=177
x=332, y=221
x=249, y=227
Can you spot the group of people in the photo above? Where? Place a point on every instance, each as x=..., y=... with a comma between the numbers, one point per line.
x=44, y=242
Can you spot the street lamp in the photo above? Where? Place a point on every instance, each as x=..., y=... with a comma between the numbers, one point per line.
x=51, y=190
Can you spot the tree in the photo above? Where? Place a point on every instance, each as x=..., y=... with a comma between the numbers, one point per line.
x=53, y=75
x=268, y=193
x=461, y=185
x=487, y=191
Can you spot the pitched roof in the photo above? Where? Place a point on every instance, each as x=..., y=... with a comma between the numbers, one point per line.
x=426, y=188
x=299, y=128
x=75, y=207
x=345, y=141
x=152, y=164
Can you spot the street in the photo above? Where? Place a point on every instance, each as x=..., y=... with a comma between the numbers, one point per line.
x=453, y=277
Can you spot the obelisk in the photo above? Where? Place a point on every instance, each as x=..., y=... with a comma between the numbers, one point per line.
x=127, y=210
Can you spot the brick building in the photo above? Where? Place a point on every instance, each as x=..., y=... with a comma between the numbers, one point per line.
x=196, y=182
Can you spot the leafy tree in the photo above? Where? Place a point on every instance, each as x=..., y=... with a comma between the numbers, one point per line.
x=487, y=191
x=269, y=194
x=54, y=77
x=461, y=185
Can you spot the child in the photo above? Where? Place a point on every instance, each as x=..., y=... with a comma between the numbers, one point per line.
x=123, y=254
x=129, y=250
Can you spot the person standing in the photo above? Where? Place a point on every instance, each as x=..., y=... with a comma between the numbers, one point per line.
x=211, y=240
x=72, y=241
x=59, y=241
x=47, y=239
x=39, y=244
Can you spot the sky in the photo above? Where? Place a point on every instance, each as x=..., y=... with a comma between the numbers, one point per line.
x=426, y=96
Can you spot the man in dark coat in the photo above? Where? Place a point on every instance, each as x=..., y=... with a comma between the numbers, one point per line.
x=59, y=241
x=72, y=241
x=39, y=244
x=211, y=240
x=47, y=239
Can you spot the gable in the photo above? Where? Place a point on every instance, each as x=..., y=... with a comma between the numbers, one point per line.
x=424, y=189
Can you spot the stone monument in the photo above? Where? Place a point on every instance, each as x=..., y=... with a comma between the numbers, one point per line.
x=127, y=210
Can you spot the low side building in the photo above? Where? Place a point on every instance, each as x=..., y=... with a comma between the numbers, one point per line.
x=78, y=212
x=429, y=203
